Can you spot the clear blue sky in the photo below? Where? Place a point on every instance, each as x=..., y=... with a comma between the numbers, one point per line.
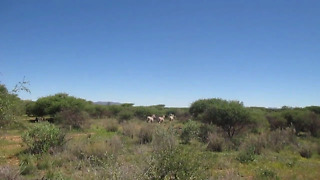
x=173, y=52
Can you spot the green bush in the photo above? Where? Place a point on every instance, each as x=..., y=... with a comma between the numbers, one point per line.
x=146, y=134
x=44, y=162
x=42, y=137
x=205, y=130
x=231, y=116
x=305, y=151
x=189, y=131
x=10, y=106
x=267, y=174
x=303, y=121
x=111, y=126
x=142, y=112
x=52, y=174
x=164, y=139
x=51, y=105
x=98, y=111
x=125, y=115
x=258, y=142
x=276, y=120
x=215, y=142
x=72, y=118
x=130, y=129
x=27, y=164
x=247, y=155
x=176, y=163
x=114, y=110
x=278, y=139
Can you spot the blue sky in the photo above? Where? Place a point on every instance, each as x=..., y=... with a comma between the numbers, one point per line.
x=173, y=52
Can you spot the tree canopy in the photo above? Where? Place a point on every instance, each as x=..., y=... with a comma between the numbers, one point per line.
x=229, y=115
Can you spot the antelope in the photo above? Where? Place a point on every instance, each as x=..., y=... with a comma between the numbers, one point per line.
x=171, y=117
x=161, y=119
x=151, y=118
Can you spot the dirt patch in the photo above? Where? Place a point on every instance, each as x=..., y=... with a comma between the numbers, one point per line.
x=13, y=161
x=14, y=146
x=79, y=134
x=16, y=139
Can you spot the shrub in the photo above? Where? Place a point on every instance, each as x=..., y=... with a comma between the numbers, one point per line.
x=278, y=139
x=182, y=115
x=231, y=116
x=27, y=164
x=176, y=163
x=164, y=139
x=52, y=174
x=276, y=120
x=260, y=122
x=142, y=112
x=247, y=155
x=304, y=121
x=189, y=131
x=146, y=133
x=115, y=145
x=130, y=129
x=267, y=174
x=98, y=111
x=315, y=126
x=84, y=150
x=42, y=137
x=71, y=118
x=258, y=142
x=205, y=130
x=10, y=104
x=125, y=115
x=305, y=151
x=44, y=162
x=52, y=105
x=215, y=142
x=114, y=110
x=111, y=126
x=315, y=109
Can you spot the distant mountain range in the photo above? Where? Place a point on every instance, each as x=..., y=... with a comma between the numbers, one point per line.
x=107, y=103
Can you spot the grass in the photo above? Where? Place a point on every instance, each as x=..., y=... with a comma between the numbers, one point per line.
x=98, y=153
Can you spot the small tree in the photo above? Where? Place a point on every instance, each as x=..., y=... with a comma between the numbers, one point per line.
x=231, y=116
x=42, y=137
x=10, y=102
x=72, y=118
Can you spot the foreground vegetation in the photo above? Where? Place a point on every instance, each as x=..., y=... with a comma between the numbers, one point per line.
x=213, y=139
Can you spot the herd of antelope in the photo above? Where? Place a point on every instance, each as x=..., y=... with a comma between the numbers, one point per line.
x=160, y=119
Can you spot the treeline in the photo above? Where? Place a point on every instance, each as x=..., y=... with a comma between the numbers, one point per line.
x=61, y=106
x=233, y=117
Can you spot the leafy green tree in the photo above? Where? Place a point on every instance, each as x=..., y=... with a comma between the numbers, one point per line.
x=51, y=105
x=303, y=121
x=10, y=103
x=315, y=109
x=231, y=116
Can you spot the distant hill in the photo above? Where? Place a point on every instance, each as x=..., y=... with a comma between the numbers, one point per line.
x=108, y=103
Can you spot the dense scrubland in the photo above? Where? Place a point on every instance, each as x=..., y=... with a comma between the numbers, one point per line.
x=213, y=139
